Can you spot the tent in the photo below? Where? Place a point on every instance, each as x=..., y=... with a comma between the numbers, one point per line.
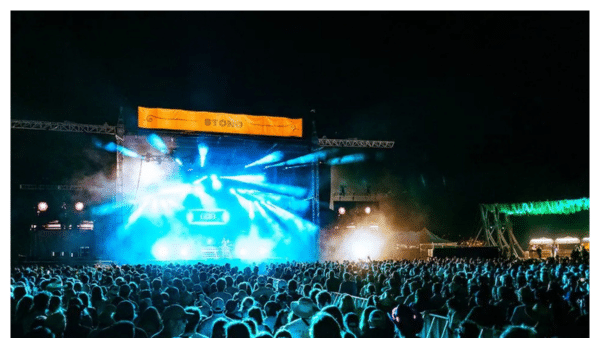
x=415, y=238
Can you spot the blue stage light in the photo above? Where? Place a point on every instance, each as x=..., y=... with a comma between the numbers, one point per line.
x=253, y=247
x=202, y=150
x=305, y=159
x=113, y=147
x=178, y=160
x=198, y=181
x=271, y=158
x=158, y=143
x=245, y=203
x=246, y=178
x=347, y=159
x=160, y=252
x=216, y=184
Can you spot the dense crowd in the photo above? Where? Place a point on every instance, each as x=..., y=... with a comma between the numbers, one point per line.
x=523, y=298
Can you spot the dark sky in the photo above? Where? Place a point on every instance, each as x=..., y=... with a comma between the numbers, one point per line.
x=495, y=103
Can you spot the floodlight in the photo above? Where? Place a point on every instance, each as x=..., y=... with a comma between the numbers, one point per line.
x=42, y=206
x=79, y=206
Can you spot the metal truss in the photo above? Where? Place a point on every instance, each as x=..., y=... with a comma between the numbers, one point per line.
x=497, y=231
x=157, y=158
x=325, y=142
x=356, y=198
x=63, y=126
x=52, y=187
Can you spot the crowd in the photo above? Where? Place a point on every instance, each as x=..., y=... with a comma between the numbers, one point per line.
x=518, y=298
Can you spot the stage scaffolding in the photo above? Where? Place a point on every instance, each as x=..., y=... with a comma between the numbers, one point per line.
x=497, y=231
x=118, y=132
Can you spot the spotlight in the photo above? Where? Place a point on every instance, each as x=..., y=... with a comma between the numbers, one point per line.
x=216, y=184
x=342, y=210
x=202, y=150
x=42, y=206
x=79, y=206
x=368, y=210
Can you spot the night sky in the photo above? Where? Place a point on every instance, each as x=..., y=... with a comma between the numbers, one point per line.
x=494, y=103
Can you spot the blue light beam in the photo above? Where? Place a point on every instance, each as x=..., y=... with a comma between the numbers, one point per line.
x=202, y=150
x=347, y=159
x=271, y=158
x=158, y=143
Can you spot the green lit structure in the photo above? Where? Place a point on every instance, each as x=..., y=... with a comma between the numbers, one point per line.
x=497, y=227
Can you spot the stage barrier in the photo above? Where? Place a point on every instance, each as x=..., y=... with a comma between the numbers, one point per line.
x=435, y=326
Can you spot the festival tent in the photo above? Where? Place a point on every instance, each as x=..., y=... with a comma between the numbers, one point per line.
x=416, y=238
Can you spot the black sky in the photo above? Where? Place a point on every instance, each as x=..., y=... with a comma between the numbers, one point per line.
x=495, y=103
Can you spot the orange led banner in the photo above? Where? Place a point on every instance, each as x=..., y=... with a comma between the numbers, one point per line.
x=176, y=119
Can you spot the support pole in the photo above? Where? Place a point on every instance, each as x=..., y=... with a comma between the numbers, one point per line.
x=120, y=138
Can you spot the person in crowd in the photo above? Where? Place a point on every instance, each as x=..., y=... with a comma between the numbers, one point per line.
x=262, y=292
x=237, y=329
x=221, y=285
x=150, y=321
x=218, y=329
x=347, y=285
x=193, y=318
x=518, y=332
x=407, y=321
x=484, y=313
x=351, y=322
x=304, y=309
x=255, y=313
x=74, y=329
x=232, y=310
x=323, y=325
x=468, y=329
x=271, y=308
x=174, y=320
x=323, y=299
x=125, y=311
x=218, y=312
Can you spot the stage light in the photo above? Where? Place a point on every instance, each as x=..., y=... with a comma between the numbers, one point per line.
x=360, y=250
x=271, y=158
x=210, y=241
x=362, y=243
x=253, y=247
x=160, y=252
x=347, y=159
x=202, y=150
x=79, y=206
x=158, y=143
x=342, y=210
x=178, y=161
x=309, y=158
x=216, y=184
x=198, y=181
x=367, y=210
x=42, y=206
x=185, y=252
x=246, y=178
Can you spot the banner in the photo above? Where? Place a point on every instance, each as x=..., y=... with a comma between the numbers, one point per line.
x=176, y=119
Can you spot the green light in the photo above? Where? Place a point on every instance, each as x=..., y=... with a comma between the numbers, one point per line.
x=545, y=208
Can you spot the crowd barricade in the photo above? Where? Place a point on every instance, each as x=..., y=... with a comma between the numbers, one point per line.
x=359, y=303
x=435, y=326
